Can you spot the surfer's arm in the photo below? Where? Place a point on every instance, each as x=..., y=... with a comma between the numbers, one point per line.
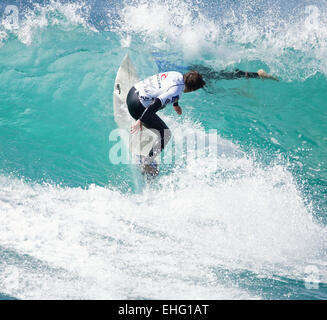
x=177, y=108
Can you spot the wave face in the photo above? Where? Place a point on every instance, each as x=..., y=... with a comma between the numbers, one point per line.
x=245, y=222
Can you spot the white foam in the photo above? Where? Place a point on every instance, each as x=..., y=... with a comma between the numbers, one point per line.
x=67, y=15
x=292, y=45
x=169, y=21
x=170, y=242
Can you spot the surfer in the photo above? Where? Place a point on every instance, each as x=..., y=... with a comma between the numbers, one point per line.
x=146, y=97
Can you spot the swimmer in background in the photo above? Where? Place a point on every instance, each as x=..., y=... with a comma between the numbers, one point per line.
x=211, y=74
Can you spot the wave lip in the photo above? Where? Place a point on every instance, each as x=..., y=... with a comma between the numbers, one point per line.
x=289, y=39
x=291, y=43
x=27, y=21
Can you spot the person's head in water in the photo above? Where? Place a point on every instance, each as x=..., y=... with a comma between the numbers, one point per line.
x=193, y=80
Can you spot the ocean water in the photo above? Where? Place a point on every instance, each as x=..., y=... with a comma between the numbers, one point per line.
x=245, y=222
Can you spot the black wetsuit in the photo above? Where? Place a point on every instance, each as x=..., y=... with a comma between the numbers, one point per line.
x=149, y=119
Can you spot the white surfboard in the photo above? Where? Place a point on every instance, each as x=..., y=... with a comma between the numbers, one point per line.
x=140, y=143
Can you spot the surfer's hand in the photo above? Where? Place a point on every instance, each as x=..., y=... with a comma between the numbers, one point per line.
x=136, y=127
x=178, y=109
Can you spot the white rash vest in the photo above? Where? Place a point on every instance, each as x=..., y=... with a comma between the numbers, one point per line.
x=167, y=86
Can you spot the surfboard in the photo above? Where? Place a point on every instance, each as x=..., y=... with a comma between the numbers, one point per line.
x=139, y=143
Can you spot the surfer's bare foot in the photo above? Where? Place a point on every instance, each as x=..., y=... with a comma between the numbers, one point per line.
x=264, y=75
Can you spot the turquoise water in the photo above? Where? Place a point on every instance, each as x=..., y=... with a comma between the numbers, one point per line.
x=246, y=223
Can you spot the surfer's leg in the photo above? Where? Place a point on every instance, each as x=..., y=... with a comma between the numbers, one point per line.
x=156, y=125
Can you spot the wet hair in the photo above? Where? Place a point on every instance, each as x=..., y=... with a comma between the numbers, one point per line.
x=194, y=80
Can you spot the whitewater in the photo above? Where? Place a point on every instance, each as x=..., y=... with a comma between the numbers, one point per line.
x=245, y=222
